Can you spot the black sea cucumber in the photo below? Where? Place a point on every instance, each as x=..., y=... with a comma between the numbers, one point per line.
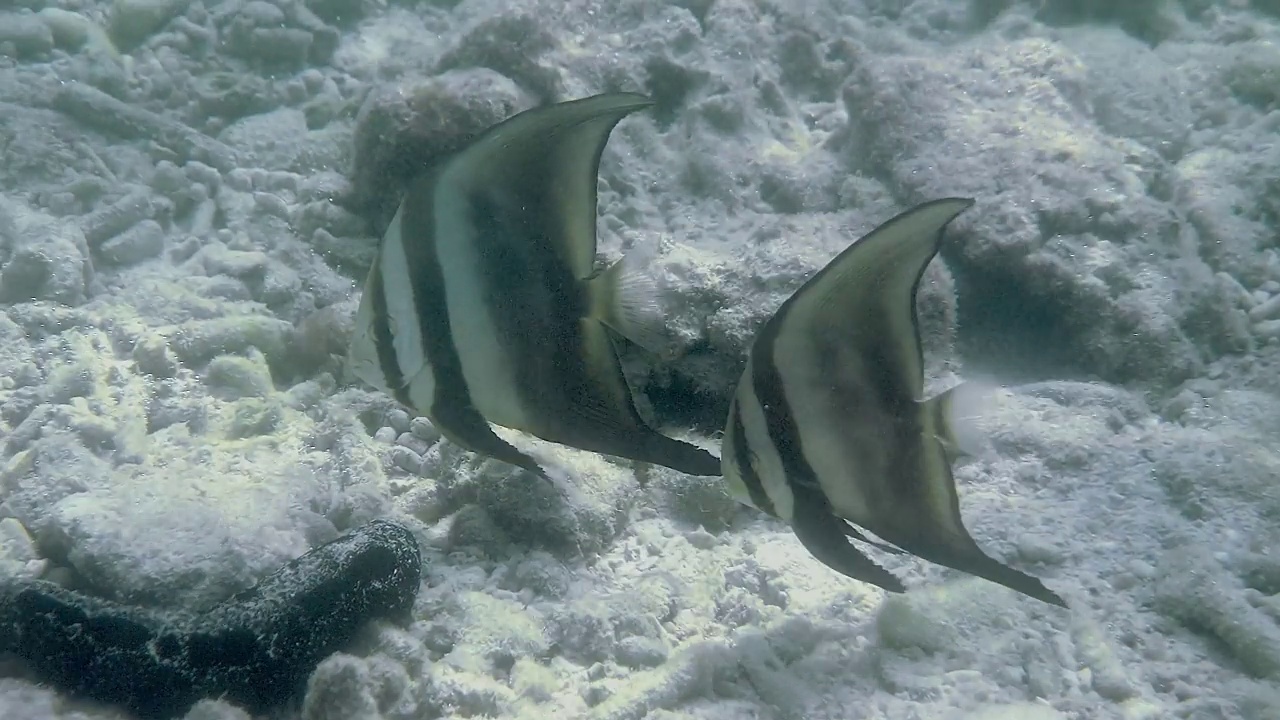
x=256, y=649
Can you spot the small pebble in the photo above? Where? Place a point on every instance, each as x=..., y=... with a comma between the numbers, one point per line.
x=1267, y=329
x=702, y=539
x=406, y=459
x=641, y=652
x=422, y=428
x=413, y=442
x=1039, y=550
x=25, y=34
x=398, y=419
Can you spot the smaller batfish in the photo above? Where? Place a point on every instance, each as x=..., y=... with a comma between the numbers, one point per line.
x=483, y=304
x=828, y=428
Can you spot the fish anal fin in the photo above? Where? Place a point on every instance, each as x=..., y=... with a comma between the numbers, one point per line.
x=952, y=545
x=825, y=536
x=974, y=561
x=601, y=416
x=603, y=397
x=466, y=428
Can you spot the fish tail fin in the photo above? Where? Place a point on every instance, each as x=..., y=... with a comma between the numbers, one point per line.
x=958, y=416
x=625, y=297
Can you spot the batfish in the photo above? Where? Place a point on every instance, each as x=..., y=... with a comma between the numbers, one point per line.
x=484, y=305
x=828, y=429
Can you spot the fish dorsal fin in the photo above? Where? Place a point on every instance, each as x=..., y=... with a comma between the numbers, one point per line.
x=557, y=145
x=863, y=303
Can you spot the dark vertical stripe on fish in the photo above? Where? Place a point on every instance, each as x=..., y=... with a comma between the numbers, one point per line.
x=417, y=237
x=535, y=301
x=383, y=342
x=742, y=456
x=766, y=381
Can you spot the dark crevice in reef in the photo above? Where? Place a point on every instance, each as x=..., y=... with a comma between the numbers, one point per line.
x=668, y=84
x=1005, y=331
x=679, y=402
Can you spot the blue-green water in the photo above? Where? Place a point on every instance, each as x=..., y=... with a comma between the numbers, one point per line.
x=191, y=194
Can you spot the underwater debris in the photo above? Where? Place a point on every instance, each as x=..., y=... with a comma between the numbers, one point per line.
x=256, y=649
x=99, y=110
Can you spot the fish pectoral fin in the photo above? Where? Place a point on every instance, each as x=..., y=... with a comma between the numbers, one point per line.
x=825, y=536
x=957, y=416
x=625, y=298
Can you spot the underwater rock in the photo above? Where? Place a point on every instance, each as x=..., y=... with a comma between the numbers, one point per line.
x=70, y=30
x=111, y=220
x=198, y=341
x=1224, y=194
x=402, y=127
x=1065, y=223
x=342, y=12
x=24, y=35
x=99, y=110
x=133, y=21
x=257, y=649
x=581, y=517
x=231, y=95
x=1135, y=92
x=140, y=242
x=233, y=377
x=512, y=43
x=279, y=38
x=41, y=257
x=1193, y=588
x=272, y=140
x=322, y=339
x=1148, y=20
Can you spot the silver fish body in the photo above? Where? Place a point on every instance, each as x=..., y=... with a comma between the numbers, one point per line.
x=483, y=304
x=828, y=429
